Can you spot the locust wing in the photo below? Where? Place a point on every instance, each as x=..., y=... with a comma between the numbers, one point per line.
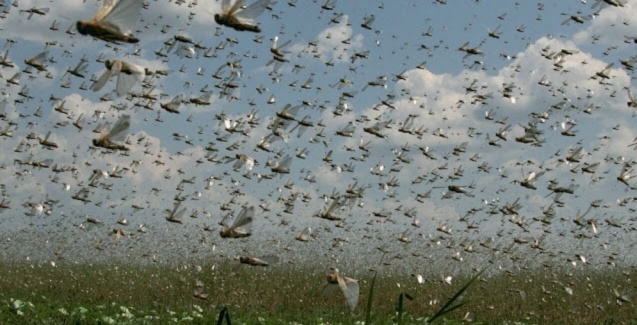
x=113, y=70
x=126, y=81
x=118, y=15
x=350, y=289
x=247, y=15
x=243, y=223
x=119, y=130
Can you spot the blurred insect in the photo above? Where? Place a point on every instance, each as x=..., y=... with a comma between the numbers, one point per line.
x=242, y=20
x=38, y=61
x=204, y=99
x=15, y=79
x=37, y=11
x=283, y=166
x=82, y=195
x=419, y=278
x=567, y=129
x=113, y=21
x=36, y=209
x=176, y=214
x=304, y=235
x=128, y=75
x=47, y=143
x=198, y=291
x=348, y=286
x=4, y=204
x=328, y=5
x=4, y=60
x=331, y=212
x=241, y=226
x=80, y=69
x=276, y=49
x=115, y=134
x=242, y=159
x=264, y=261
x=626, y=174
x=632, y=103
x=368, y=21
x=279, y=55
x=173, y=105
x=603, y=73
x=621, y=297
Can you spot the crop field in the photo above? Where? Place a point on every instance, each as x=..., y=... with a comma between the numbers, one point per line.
x=120, y=294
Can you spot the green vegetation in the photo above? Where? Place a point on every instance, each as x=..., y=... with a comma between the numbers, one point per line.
x=116, y=294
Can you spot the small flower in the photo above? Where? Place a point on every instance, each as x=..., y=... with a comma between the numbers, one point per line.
x=125, y=312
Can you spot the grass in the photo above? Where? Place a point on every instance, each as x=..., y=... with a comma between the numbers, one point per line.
x=102, y=294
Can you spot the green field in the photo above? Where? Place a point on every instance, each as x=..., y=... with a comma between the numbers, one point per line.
x=117, y=294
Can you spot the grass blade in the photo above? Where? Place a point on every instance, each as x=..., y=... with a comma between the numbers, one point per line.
x=224, y=314
x=399, y=310
x=447, y=307
x=400, y=307
x=368, y=309
x=370, y=295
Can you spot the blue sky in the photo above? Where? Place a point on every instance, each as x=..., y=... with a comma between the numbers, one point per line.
x=421, y=39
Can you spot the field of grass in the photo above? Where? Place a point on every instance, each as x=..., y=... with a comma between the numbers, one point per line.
x=118, y=294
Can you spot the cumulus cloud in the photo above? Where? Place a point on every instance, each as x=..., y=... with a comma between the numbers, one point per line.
x=611, y=26
x=334, y=44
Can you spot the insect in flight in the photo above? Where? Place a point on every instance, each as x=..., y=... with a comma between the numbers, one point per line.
x=115, y=134
x=113, y=21
x=128, y=75
x=348, y=286
x=241, y=226
x=176, y=214
x=241, y=20
x=264, y=261
x=304, y=235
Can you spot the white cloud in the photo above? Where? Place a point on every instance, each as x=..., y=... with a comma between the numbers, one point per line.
x=336, y=43
x=610, y=27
